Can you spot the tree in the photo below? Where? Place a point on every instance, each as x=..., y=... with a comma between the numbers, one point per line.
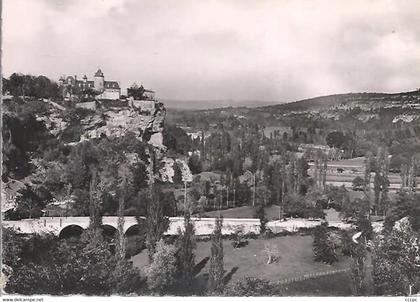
x=323, y=246
x=94, y=203
x=31, y=86
x=272, y=253
x=161, y=274
x=120, y=236
x=29, y=203
x=156, y=221
x=396, y=261
x=136, y=92
x=185, y=254
x=358, y=183
x=320, y=170
x=176, y=139
x=364, y=225
x=64, y=267
x=381, y=182
x=260, y=214
x=216, y=270
x=358, y=268
x=336, y=139
x=355, y=208
x=406, y=205
x=368, y=169
x=194, y=163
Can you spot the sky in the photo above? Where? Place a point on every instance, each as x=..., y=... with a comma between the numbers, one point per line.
x=259, y=50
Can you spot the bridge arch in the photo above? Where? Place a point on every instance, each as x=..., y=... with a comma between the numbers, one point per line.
x=109, y=230
x=72, y=230
x=135, y=230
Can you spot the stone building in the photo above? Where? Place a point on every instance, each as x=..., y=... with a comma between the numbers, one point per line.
x=105, y=90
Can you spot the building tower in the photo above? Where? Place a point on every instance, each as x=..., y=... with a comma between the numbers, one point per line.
x=99, y=81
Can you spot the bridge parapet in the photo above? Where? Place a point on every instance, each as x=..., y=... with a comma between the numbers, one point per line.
x=203, y=226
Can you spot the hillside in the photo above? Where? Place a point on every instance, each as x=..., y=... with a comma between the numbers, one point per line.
x=353, y=110
x=348, y=112
x=51, y=149
x=352, y=100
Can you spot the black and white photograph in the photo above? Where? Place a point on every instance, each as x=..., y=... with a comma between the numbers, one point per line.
x=210, y=149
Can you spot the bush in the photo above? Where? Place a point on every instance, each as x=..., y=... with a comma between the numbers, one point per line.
x=365, y=226
x=260, y=214
x=346, y=243
x=238, y=239
x=162, y=271
x=135, y=244
x=33, y=279
x=358, y=183
x=126, y=279
x=251, y=287
x=313, y=212
x=323, y=245
x=272, y=253
x=68, y=267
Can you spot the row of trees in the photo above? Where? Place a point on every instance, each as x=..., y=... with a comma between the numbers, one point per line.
x=20, y=85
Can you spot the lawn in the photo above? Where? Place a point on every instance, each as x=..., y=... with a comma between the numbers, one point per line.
x=332, y=285
x=296, y=258
x=271, y=212
x=357, y=161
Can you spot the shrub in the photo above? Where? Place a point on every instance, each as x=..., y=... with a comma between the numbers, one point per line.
x=249, y=286
x=216, y=270
x=272, y=252
x=135, y=244
x=238, y=239
x=33, y=279
x=126, y=279
x=346, y=243
x=323, y=246
x=260, y=214
x=162, y=271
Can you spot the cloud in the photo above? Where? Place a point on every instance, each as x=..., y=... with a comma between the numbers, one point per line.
x=218, y=49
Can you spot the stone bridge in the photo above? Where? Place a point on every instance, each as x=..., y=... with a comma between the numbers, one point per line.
x=61, y=225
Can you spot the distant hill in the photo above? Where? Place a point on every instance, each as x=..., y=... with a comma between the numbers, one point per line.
x=350, y=112
x=213, y=104
x=374, y=100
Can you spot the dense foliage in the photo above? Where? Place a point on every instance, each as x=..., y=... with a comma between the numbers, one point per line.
x=323, y=245
x=216, y=270
x=84, y=266
x=396, y=261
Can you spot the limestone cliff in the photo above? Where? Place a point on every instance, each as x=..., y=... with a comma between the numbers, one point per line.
x=72, y=126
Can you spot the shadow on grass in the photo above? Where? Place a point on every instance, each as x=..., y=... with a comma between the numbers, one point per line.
x=200, y=265
x=229, y=275
x=332, y=285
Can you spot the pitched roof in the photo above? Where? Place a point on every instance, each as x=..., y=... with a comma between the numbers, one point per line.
x=99, y=73
x=111, y=84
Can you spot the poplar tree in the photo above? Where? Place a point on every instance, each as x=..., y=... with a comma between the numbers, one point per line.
x=185, y=254
x=95, y=218
x=120, y=238
x=381, y=182
x=156, y=221
x=368, y=168
x=216, y=271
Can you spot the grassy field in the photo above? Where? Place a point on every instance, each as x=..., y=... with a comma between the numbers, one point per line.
x=296, y=258
x=357, y=161
x=272, y=212
x=332, y=285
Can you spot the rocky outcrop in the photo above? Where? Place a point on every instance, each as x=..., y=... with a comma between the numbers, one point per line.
x=75, y=125
x=167, y=171
x=154, y=129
